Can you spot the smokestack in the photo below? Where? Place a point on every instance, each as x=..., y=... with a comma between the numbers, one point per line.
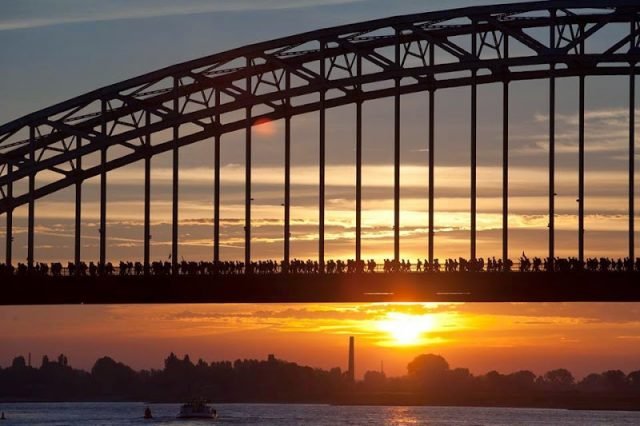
x=351, y=373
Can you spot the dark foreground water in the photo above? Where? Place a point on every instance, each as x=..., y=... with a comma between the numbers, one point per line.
x=268, y=414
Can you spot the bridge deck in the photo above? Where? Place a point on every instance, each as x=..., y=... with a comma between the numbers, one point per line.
x=309, y=288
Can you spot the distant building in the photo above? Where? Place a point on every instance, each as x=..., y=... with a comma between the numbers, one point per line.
x=351, y=372
x=271, y=358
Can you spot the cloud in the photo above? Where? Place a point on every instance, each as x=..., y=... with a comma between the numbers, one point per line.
x=450, y=181
x=511, y=325
x=606, y=132
x=41, y=13
x=328, y=312
x=592, y=314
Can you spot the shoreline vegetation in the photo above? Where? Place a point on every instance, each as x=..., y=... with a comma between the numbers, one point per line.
x=429, y=381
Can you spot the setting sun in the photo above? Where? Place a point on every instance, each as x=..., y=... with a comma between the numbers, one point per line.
x=265, y=127
x=406, y=329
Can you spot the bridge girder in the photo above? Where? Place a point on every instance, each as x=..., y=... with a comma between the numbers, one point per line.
x=113, y=116
x=311, y=72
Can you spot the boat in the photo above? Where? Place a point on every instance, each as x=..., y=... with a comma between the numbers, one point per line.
x=197, y=409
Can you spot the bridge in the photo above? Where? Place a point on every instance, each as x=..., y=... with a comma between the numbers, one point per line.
x=203, y=100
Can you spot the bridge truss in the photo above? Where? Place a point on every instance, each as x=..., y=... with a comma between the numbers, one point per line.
x=206, y=98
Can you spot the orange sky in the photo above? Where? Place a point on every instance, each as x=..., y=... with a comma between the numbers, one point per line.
x=583, y=337
x=606, y=216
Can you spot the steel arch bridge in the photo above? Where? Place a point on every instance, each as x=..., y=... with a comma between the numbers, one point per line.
x=206, y=98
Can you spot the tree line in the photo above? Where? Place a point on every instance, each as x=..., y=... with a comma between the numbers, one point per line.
x=429, y=380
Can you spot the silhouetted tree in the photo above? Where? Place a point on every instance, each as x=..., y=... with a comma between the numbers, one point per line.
x=559, y=379
x=62, y=360
x=374, y=380
x=18, y=363
x=633, y=379
x=523, y=379
x=429, y=380
x=427, y=367
x=592, y=383
x=113, y=379
x=614, y=379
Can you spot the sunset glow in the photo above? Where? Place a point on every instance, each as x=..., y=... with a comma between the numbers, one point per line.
x=507, y=337
x=406, y=329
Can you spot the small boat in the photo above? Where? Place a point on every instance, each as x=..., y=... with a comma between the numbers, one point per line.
x=197, y=409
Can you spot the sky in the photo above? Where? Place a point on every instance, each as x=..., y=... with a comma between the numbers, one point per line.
x=584, y=337
x=53, y=51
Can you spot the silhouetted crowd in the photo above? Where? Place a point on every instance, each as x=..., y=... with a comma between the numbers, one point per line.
x=298, y=266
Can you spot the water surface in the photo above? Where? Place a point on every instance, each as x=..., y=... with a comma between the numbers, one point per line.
x=106, y=414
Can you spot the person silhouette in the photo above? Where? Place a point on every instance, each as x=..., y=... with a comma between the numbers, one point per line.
x=147, y=413
x=2, y=417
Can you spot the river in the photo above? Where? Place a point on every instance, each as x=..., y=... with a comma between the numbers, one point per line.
x=106, y=414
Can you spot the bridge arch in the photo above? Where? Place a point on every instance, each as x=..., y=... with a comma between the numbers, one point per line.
x=312, y=72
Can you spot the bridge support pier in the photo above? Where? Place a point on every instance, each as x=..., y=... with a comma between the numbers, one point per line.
x=396, y=159
x=505, y=172
x=581, y=158
x=247, y=183
x=147, y=200
x=216, y=186
x=103, y=207
x=581, y=170
x=175, y=209
x=287, y=181
x=147, y=214
x=432, y=104
x=247, y=187
x=505, y=161
x=474, y=156
x=31, y=219
x=78, y=215
x=174, y=186
x=103, y=188
x=632, y=143
x=321, y=161
x=9, y=225
x=552, y=142
x=359, y=170
x=632, y=140
x=552, y=165
x=248, y=199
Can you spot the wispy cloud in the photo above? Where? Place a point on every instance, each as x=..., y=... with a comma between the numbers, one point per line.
x=606, y=132
x=41, y=13
x=374, y=176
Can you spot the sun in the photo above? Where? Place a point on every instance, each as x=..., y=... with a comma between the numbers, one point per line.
x=406, y=329
x=265, y=127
